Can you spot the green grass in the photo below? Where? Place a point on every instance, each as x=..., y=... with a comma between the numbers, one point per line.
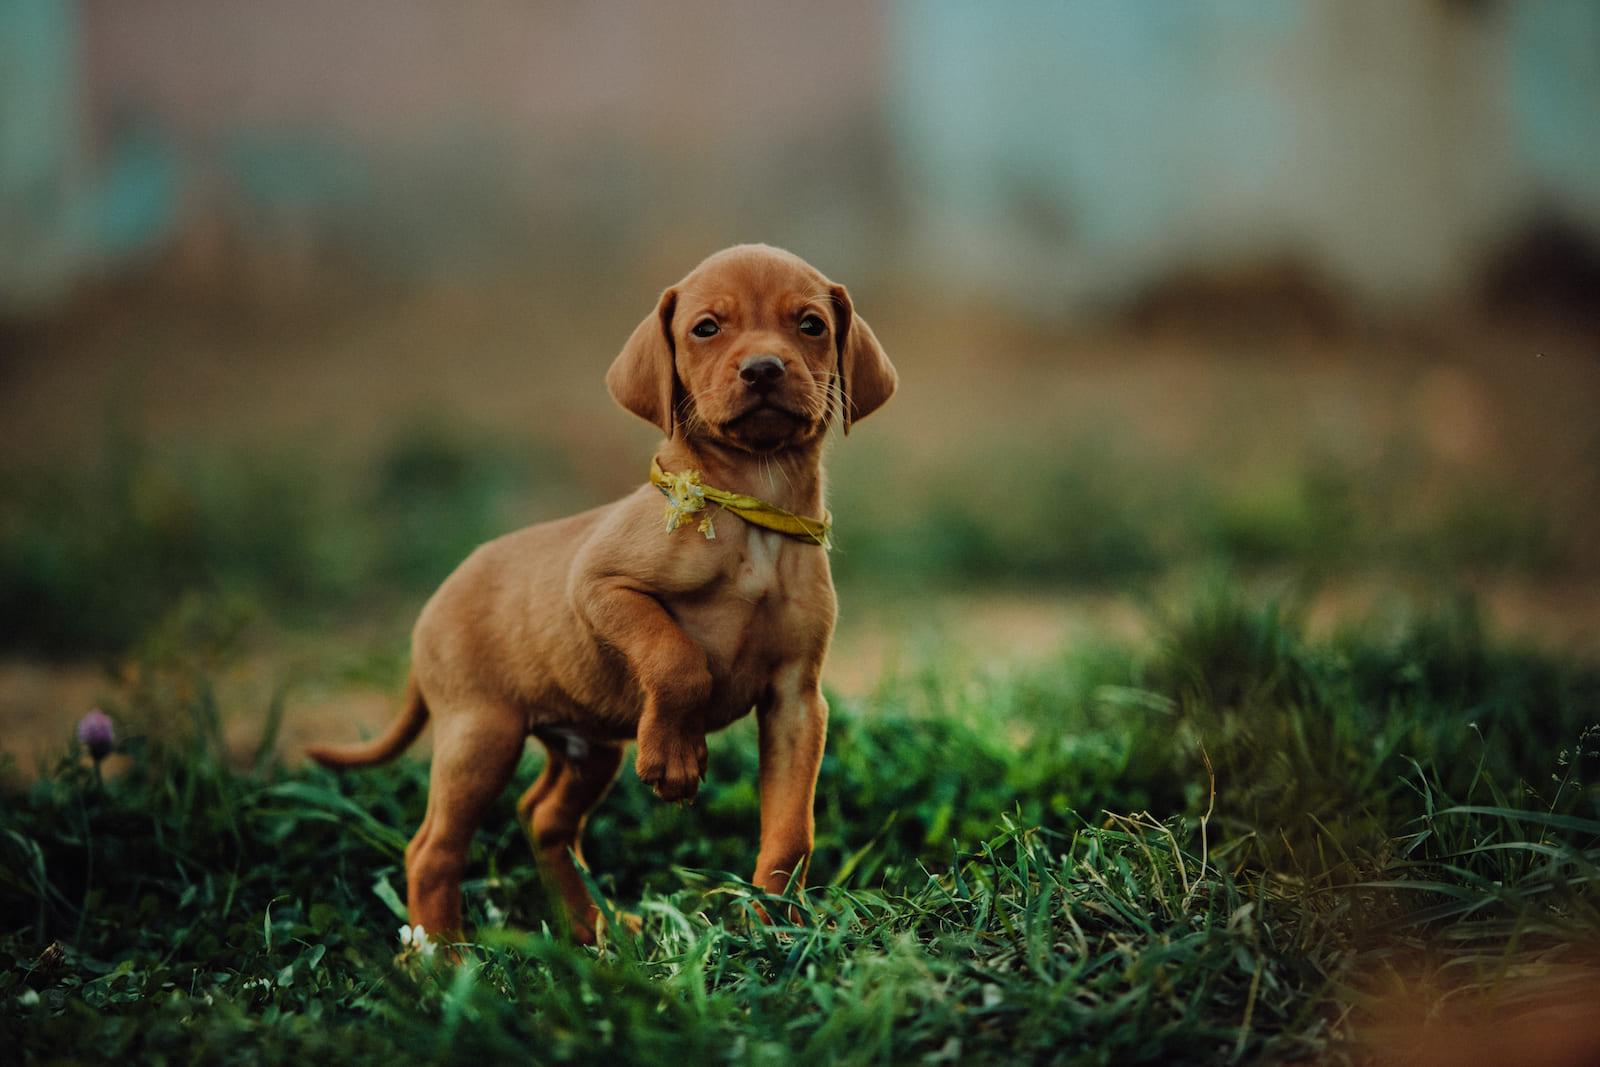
x=95, y=553
x=1064, y=508
x=1223, y=847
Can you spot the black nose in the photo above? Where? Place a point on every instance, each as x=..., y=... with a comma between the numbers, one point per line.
x=761, y=373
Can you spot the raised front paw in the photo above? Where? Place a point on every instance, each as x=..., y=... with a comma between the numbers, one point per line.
x=671, y=763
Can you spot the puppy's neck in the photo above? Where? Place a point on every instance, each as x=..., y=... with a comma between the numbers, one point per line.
x=790, y=478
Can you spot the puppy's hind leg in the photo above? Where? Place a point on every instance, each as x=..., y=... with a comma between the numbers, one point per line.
x=553, y=811
x=474, y=754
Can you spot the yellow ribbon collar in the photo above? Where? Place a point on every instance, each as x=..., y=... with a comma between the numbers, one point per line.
x=686, y=495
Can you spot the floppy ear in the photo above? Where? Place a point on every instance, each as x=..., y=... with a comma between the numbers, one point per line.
x=866, y=377
x=642, y=377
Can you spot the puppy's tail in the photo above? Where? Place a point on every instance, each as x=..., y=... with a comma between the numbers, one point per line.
x=393, y=741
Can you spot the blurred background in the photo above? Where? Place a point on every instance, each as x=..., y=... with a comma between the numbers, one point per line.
x=300, y=301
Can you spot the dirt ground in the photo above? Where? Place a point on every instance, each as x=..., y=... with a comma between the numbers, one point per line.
x=1511, y=404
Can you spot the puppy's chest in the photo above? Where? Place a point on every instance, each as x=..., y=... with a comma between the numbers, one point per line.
x=762, y=606
x=757, y=577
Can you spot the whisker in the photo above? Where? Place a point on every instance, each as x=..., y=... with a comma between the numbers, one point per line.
x=779, y=468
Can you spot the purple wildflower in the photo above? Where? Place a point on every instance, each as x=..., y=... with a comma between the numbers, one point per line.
x=97, y=734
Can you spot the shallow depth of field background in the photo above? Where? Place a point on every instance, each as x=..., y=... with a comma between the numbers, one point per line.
x=299, y=302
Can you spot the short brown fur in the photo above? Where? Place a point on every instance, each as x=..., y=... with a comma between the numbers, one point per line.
x=599, y=628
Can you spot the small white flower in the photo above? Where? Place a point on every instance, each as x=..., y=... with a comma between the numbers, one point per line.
x=415, y=939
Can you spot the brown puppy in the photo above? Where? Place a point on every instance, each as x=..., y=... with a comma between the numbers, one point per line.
x=624, y=622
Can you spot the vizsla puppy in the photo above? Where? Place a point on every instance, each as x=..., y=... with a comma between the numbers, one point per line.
x=632, y=621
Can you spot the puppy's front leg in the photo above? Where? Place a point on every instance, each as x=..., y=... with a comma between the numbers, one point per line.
x=793, y=732
x=673, y=672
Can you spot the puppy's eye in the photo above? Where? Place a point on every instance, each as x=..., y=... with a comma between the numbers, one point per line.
x=813, y=326
x=706, y=328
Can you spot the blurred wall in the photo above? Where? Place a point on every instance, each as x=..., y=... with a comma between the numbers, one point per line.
x=1048, y=152
x=39, y=161
x=69, y=208
x=1088, y=147
x=434, y=136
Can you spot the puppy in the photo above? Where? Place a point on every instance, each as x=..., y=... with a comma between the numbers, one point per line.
x=699, y=598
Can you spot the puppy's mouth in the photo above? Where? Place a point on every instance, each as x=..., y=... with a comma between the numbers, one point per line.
x=766, y=426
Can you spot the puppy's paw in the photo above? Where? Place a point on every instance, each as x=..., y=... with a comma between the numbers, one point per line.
x=672, y=765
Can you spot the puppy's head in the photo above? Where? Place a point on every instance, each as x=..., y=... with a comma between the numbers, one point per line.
x=750, y=350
